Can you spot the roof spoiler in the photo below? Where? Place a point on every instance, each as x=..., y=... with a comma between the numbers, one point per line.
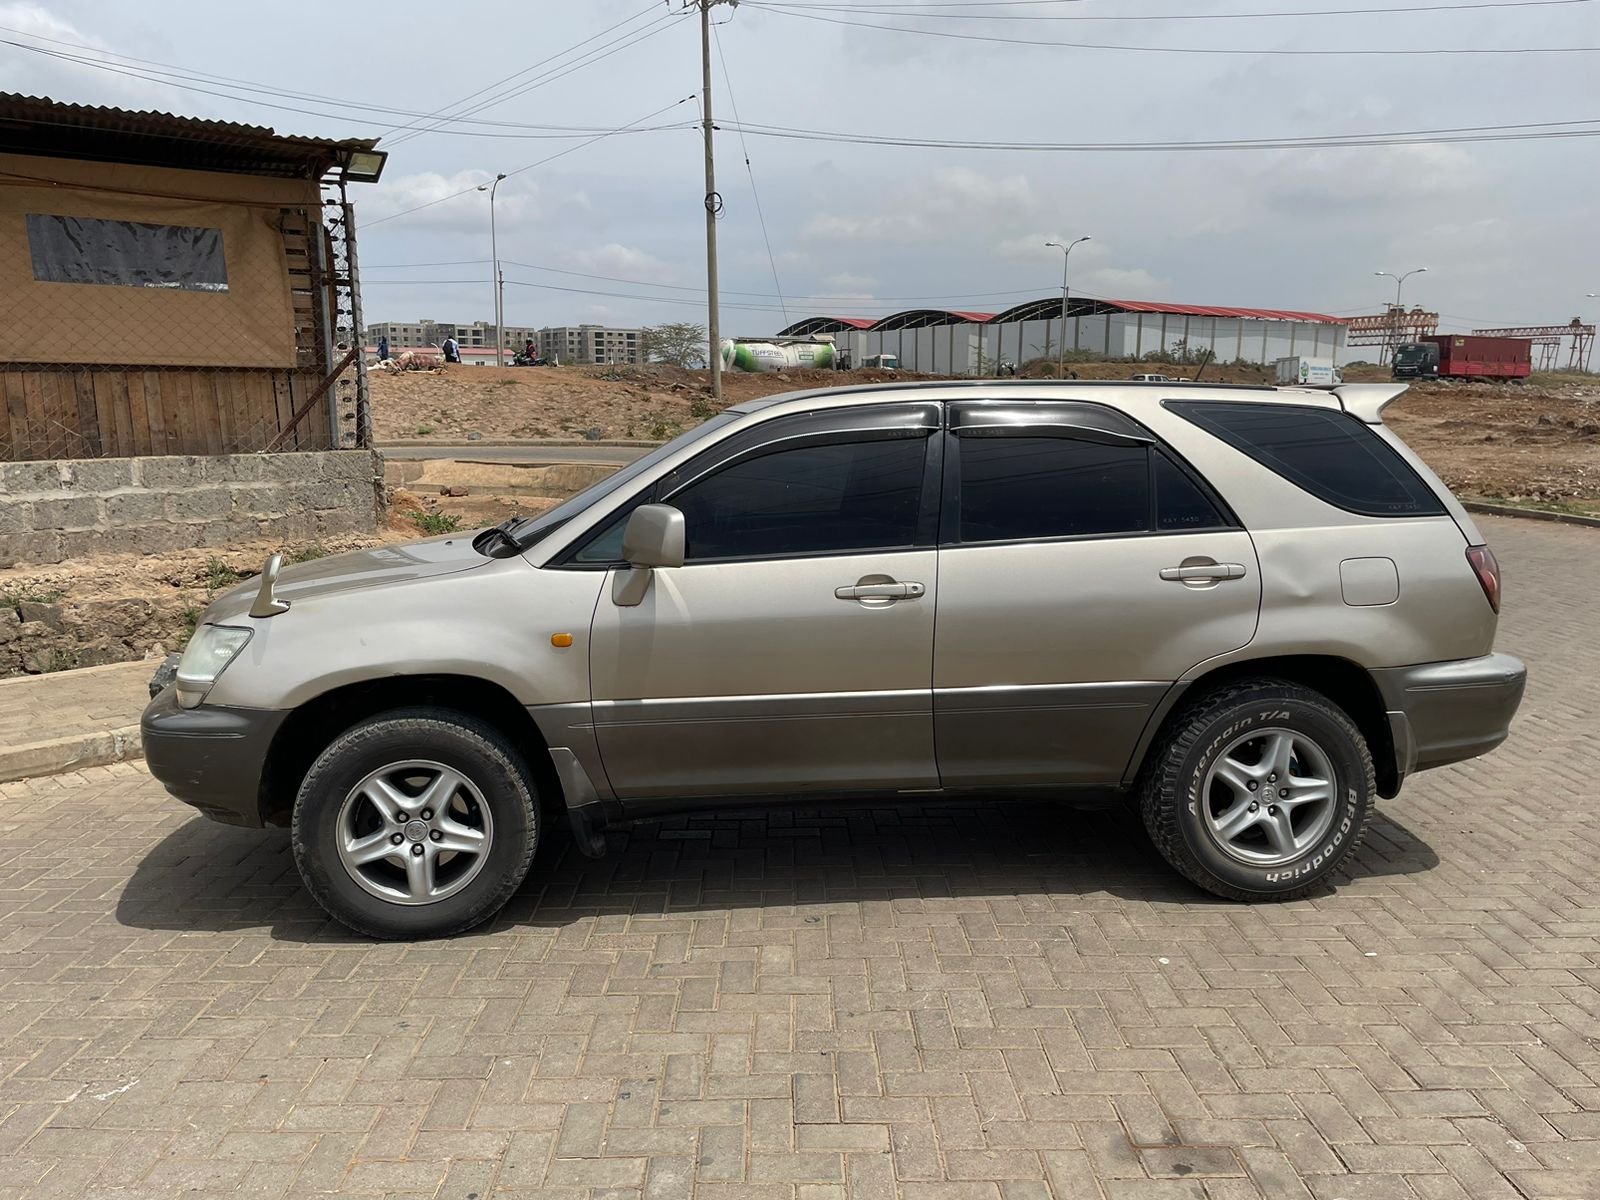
x=1366, y=401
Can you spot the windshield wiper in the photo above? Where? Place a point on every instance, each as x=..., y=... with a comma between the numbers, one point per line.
x=502, y=531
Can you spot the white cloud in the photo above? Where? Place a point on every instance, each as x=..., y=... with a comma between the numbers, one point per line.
x=618, y=261
x=1032, y=248
x=1123, y=283
x=1337, y=182
x=846, y=284
x=930, y=209
x=453, y=203
x=41, y=75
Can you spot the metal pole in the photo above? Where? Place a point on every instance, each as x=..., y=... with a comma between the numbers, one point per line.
x=712, y=202
x=499, y=281
x=1061, y=349
x=1066, y=261
x=358, y=327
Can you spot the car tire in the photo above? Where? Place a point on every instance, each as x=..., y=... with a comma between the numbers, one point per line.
x=1264, y=743
x=380, y=860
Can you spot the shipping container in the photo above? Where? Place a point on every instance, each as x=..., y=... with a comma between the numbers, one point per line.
x=1466, y=357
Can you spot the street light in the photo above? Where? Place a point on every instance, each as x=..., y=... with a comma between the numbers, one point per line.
x=1066, y=258
x=494, y=254
x=1399, y=281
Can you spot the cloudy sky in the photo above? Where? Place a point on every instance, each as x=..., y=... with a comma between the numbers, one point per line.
x=612, y=229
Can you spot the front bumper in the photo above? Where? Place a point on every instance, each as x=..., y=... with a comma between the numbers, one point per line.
x=213, y=758
x=1444, y=712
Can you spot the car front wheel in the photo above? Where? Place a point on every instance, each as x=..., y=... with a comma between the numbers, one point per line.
x=1259, y=791
x=415, y=824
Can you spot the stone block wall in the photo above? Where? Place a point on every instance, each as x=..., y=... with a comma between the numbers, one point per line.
x=53, y=511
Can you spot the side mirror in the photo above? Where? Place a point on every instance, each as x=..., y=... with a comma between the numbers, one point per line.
x=654, y=537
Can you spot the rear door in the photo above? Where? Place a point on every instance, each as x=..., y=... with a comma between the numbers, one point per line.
x=1083, y=568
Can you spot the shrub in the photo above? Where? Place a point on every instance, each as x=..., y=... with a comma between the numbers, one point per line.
x=436, y=522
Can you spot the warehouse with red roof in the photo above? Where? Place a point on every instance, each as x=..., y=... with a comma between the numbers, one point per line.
x=953, y=342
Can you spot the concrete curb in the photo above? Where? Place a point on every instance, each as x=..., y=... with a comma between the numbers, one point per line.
x=501, y=443
x=60, y=755
x=1535, y=514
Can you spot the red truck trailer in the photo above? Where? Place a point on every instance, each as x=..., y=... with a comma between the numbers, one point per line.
x=1460, y=356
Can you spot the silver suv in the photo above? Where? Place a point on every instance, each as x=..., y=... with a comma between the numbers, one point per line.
x=1252, y=611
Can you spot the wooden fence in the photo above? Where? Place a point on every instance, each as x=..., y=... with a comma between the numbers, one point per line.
x=58, y=411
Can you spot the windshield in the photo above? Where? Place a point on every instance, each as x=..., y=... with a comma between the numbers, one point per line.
x=532, y=529
x=1412, y=352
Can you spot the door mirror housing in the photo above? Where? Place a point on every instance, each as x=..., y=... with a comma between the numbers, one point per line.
x=654, y=537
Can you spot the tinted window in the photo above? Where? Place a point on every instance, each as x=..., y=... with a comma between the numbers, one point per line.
x=1180, y=502
x=1330, y=454
x=816, y=499
x=1039, y=487
x=126, y=253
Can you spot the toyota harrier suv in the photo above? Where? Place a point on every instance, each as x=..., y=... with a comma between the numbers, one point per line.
x=1252, y=611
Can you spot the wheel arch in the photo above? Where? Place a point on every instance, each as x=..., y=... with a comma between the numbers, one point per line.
x=312, y=727
x=1345, y=683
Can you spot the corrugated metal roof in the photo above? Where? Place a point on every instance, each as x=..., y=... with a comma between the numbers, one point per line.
x=924, y=318
x=1048, y=308
x=813, y=325
x=42, y=126
x=1209, y=310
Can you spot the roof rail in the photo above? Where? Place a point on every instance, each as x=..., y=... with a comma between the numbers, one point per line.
x=1366, y=401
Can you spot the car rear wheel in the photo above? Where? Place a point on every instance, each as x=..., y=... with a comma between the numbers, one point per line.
x=414, y=824
x=1258, y=791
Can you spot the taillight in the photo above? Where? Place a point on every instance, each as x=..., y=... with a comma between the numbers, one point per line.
x=1487, y=568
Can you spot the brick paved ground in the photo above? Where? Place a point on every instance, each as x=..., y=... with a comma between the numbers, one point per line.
x=938, y=1003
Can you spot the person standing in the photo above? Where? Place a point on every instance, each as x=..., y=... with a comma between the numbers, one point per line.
x=383, y=348
x=452, y=350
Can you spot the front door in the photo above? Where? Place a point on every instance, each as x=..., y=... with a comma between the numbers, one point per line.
x=1083, y=569
x=792, y=652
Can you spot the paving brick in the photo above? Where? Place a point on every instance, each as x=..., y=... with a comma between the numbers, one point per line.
x=962, y=999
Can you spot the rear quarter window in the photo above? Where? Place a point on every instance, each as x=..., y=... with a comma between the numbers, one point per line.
x=1332, y=455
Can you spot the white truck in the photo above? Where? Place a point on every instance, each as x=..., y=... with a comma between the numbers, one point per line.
x=1314, y=372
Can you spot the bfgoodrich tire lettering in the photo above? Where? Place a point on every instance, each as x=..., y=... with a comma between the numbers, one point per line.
x=493, y=811
x=1233, y=738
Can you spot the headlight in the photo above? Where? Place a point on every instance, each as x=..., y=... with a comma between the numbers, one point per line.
x=206, y=656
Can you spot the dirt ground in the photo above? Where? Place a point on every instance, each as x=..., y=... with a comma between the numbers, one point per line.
x=1534, y=442
x=123, y=607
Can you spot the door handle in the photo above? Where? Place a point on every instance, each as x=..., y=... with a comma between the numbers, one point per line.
x=880, y=591
x=1210, y=572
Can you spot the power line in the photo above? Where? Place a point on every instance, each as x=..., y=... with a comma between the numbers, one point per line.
x=699, y=291
x=659, y=25
x=406, y=134
x=172, y=79
x=186, y=79
x=755, y=195
x=519, y=170
x=1533, y=131
x=1408, y=51
x=173, y=71
x=879, y=8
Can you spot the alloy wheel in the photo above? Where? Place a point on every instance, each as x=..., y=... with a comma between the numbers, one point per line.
x=1269, y=797
x=414, y=832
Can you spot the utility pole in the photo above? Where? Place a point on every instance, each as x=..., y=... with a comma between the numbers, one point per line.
x=1398, y=331
x=713, y=202
x=1066, y=261
x=496, y=275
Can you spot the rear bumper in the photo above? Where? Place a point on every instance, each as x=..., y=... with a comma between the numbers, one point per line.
x=1444, y=712
x=209, y=757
